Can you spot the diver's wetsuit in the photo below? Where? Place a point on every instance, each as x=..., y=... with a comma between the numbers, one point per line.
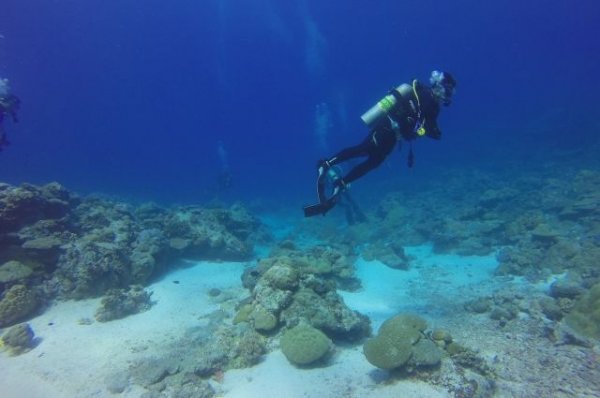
x=382, y=138
x=376, y=147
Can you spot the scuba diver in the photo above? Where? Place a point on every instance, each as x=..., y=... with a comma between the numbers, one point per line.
x=406, y=113
x=9, y=105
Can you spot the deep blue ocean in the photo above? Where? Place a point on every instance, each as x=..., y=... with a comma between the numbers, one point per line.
x=154, y=100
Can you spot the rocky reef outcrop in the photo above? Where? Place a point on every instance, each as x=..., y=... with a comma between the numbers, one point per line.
x=18, y=339
x=294, y=292
x=55, y=244
x=119, y=303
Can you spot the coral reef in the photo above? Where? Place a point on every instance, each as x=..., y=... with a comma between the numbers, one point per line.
x=34, y=223
x=18, y=339
x=585, y=316
x=200, y=233
x=537, y=225
x=467, y=358
x=291, y=287
x=392, y=255
x=502, y=306
x=119, y=303
x=14, y=272
x=542, y=227
x=69, y=247
x=262, y=319
x=304, y=345
x=326, y=312
x=400, y=342
x=18, y=303
x=26, y=204
x=331, y=263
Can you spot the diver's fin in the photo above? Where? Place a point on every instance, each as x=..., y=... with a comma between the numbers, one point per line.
x=325, y=204
x=321, y=184
x=318, y=209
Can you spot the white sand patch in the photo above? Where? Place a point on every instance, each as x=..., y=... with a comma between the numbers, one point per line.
x=432, y=284
x=72, y=360
x=348, y=375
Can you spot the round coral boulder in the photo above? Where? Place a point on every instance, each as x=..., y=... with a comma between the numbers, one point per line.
x=304, y=345
x=388, y=352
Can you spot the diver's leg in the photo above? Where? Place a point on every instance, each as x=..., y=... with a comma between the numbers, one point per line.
x=378, y=146
x=363, y=168
x=352, y=152
x=348, y=153
x=324, y=165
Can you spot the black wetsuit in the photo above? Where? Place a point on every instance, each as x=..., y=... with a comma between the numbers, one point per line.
x=380, y=142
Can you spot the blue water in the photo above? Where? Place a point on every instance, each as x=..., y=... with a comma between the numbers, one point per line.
x=135, y=98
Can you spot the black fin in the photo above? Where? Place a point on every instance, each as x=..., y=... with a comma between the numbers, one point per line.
x=318, y=209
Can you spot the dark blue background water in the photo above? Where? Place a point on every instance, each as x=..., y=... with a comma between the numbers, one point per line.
x=132, y=97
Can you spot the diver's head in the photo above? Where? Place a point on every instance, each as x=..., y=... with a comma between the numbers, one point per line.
x=442, y=85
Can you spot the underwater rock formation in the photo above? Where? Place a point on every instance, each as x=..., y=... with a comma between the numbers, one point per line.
x=331, y=263
x=194, y=232
x=18, y=304
x=294, y=287
x=326, y=312
x=537, y=225
x=392, y=255
x=26, y=204
x=18, y=339
x=80, y=248
x=58, y=245
x=119, y=303
x=293, y=292
x=14, y=272
x=585, y=316
x=400, y=339
x=34, y=223
x=203, y=352
x=304, y=345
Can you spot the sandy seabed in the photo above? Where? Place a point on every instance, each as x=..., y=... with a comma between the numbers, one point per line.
x=74, y=356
